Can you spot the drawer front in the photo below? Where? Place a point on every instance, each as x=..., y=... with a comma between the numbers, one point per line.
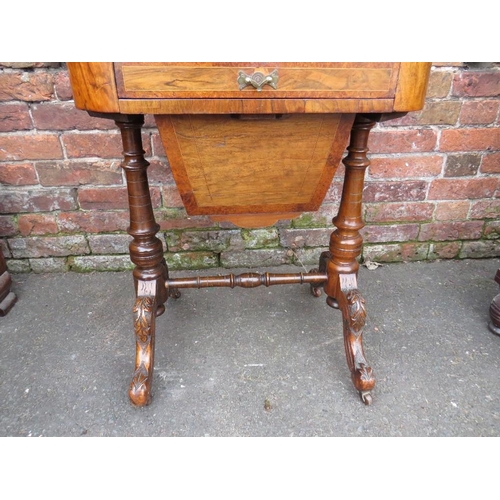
x=241, y=80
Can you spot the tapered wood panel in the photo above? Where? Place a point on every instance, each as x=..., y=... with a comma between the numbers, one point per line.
x=314, y=80
x=228, y=166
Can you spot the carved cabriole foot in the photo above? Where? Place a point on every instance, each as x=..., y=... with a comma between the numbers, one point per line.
x=352, y=305
x=145, y=312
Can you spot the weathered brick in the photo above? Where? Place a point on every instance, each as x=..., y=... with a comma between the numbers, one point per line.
x=402, y=141
x=18, y=174
x=30, y=147
x=64, y=116
x=433, y=113
x=75, y=173
x=48, y=246
x=260, y=238
x=18, y=266
x=171, y=196
x=110, y=198
x=4, y=248
x=334, y=192
x=480, y=249
x=396, y=252
x=399, y=212
x=462, y=165
x=109, y=243
x=375, y=192
x=256, y=258
x=8, y=226
x=485, y=209
x=476, y=113
x=158, y=149
x=321, y=218
x=93, y=222
x=14, y=117
x=451, y=210
x=405, y=167
x=476, y=84
x=37, y=200
x=307, y=256
x=24, y=86
x=453, y=230
x=439, y=84
x=62, y=86
x=211, y=241
x=463, y=189
x=26, y=65
x=159, y=172
x=49, y=265
x=177, y=218
x=90, y=144
x=191, y=260
x=470, y=139
x=298, y=238
x=149, y=122
x=89, y=263
x=447, y=250
x=491, y=163
x=37, y=224
x=388, y=233
x=492, y=230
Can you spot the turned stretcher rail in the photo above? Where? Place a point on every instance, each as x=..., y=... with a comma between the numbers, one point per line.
x=247, y=280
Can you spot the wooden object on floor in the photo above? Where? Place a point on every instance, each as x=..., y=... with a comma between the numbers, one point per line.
x=494, y=323
x=7, y=297
x=250, y=143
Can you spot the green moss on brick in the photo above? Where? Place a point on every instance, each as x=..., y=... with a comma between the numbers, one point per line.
x=191, y=260
x=90, y=263
x=309, y=219
x=260, y=238
x=396, y=252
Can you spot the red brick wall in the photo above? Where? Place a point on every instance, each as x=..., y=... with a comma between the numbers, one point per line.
x=432, y=190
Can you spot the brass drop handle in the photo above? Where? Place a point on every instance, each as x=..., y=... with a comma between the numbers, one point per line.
x=258, y=80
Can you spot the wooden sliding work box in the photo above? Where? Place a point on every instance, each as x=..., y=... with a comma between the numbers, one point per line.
x=250, y=143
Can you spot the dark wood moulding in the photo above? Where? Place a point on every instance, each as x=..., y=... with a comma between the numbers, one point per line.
x=247, y=280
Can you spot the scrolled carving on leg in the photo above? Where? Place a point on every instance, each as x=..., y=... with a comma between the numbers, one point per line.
x=353, y=307
x=144, y=325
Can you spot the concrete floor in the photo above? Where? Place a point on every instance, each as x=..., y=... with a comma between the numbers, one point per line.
x=261, y=362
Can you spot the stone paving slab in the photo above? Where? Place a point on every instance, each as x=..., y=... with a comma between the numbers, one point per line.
x=260, y=362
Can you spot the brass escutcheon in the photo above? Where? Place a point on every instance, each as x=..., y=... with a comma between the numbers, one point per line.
x=258, y=80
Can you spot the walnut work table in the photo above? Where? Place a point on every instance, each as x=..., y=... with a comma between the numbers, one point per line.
x=250, y=143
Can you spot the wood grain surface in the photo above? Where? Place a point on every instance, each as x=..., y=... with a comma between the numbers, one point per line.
x=94, y=87
x=228, y=166
x=327, y=80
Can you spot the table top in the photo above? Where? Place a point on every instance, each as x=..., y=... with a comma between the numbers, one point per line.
x=249, y=88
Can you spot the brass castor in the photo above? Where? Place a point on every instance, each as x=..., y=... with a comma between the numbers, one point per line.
x=366, y=397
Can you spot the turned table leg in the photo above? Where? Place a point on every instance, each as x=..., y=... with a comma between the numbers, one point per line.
x=341, y=264
x=146, y=252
